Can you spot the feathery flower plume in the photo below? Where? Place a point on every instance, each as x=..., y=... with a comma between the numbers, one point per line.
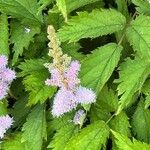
x=6, y=76
x=5, y=124
x=64, y=74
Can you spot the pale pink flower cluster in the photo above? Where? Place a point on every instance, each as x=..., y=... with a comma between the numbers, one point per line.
x=6, y=76
x=5, y=124
x=71, y=93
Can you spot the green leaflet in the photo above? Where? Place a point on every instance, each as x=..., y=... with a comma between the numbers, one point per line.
x=133, y=74
x=25, y=10
x=120, y=124
x=14, y=143
x=146, y=91
x=4, y=35
x=98, y=66
x=91, y=137
x=92, y=25
x=141, y=123
x=62, y=136
x=62, y=7
x=19, y=115
x=3, y=107
x=35, y=75
x=124, y=143
x=138, y=35
x=106, y=103
x=34, y=130
x=142, y=6
x=21, y=36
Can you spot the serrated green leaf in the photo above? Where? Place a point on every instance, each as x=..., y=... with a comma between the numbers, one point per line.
x=4, y=35
x=107, y=99
x=62, y=7
x=74, y=4
x=141, y=123
x=92, y=25
x=25, y=10
x=35, y=75
x=98, y=66
x=20, y=111
x=143, y=6
x=120, y=124
x=91, y=137
x=72, y=50
x=62, y=136
x=146, y=91
x=34, y=130
x=123, y=8
x=138, y=35
x=21, y=36
x=124, y=143
x=43, y=4
x=133, y=74
x=14, y=143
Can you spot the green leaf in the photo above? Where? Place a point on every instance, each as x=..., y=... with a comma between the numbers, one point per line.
x=34, y=130
x=72, y=50
x=3, y=107
x=62, y=136
x=25, y=10
x=138, y=35
x=92, y=25
x=133, y=74
x=107, y=100
x=35, y=75
x=14, y=143
x=142, y=6
x=92, y=137
x=74, y=4
x=19, y=115
x=21, y=36
x=123, y=8
x=43, y=4
x=124, y=143
x=146, y=91
x=141, y=123
x=4, y=35
x=62, y=7
x=98, y=66
x=120, y=124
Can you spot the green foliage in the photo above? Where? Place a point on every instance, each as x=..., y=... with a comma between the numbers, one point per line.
x=146, y=91
x=34, y=130
x=140, y=123
x=14, y=143
x=132, y=77
x=25, y=10
x=4, y=35
x=77, y=28
x=91, y=137
x=142, y=6
x=62, y=136
x=21, y=37
x=124, y=143
x=111, y=40
x=35, y=75
x=120, y=124
x=138, y=36
x=98, y=67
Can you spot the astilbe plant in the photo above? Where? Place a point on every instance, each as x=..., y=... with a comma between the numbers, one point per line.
x=82, y=74
x=64, y=74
